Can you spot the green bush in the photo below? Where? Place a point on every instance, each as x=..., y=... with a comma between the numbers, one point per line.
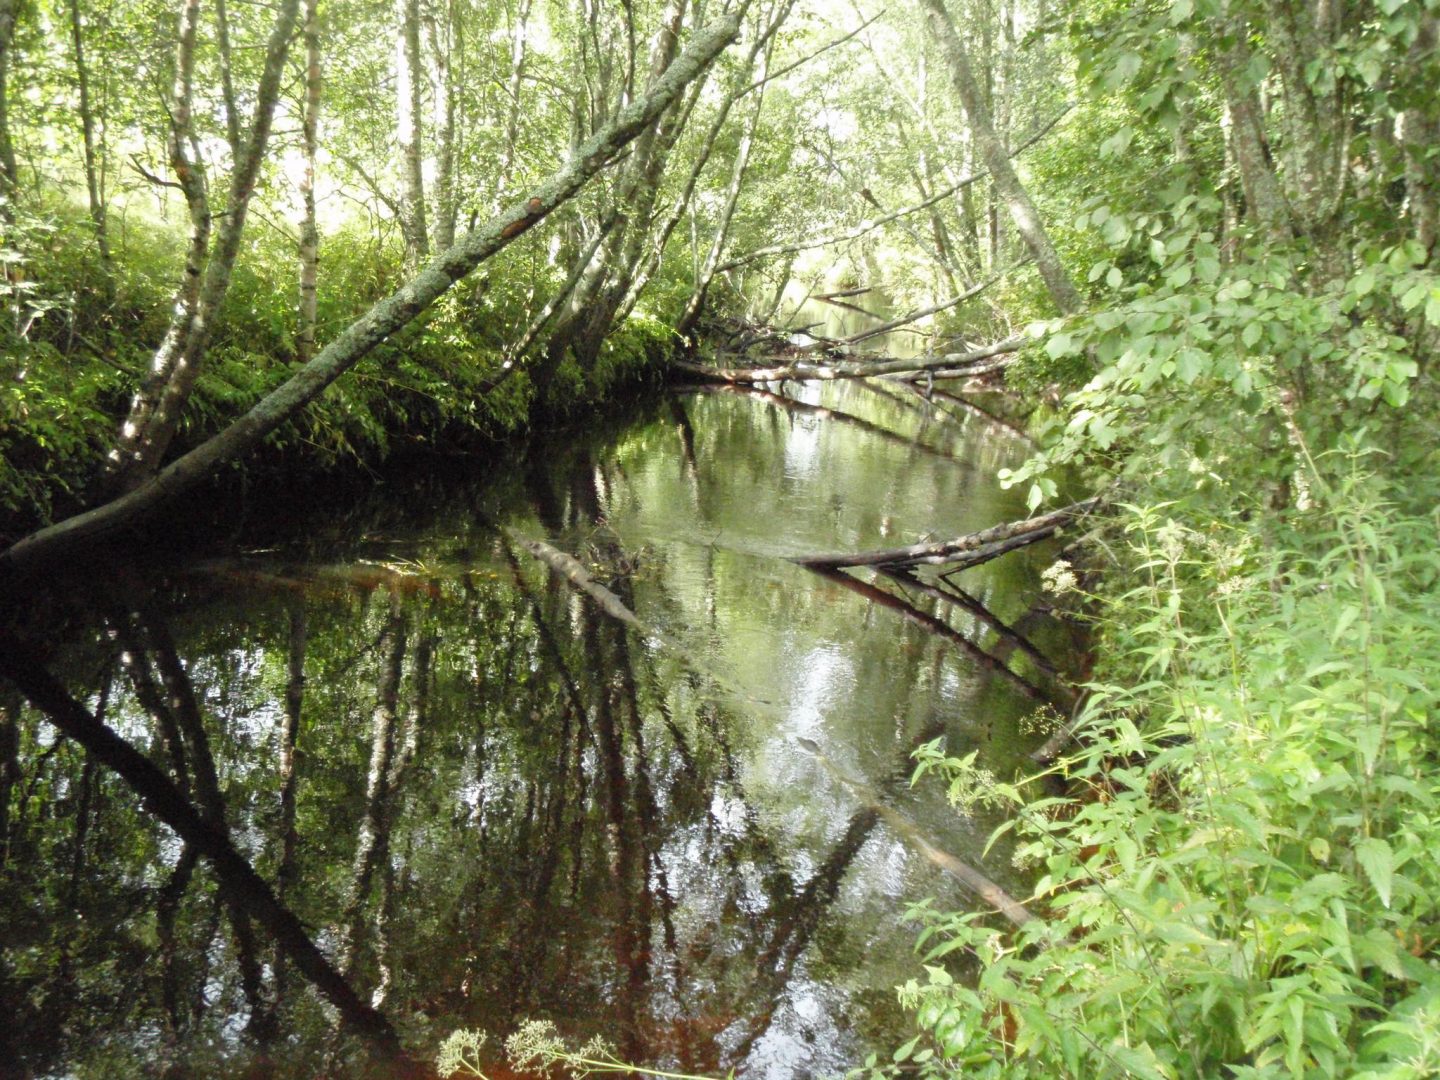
x=1242, y=878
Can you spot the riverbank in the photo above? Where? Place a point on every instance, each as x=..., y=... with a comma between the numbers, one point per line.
x=1240, y=874
x=442, y=384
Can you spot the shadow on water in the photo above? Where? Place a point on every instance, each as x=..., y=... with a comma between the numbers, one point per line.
x=307, y=805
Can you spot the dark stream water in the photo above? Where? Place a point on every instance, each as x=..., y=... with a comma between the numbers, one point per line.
x=503, y=802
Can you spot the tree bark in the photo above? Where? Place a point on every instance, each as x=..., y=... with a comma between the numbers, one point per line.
x=409, y=84
x=442, y=110
x=997, y=160
x=87, y=131
x=9, y=170
x=124, y=458
x=309, y=230
x=152, y=437
x=957, y=550
x=721, y=228
x=382, y=320
x=227, y=79
x=1420, y=135
x=968, y=363
x=518, y=54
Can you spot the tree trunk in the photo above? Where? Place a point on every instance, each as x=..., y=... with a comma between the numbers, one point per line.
x=1264, y=199
x=443, y=105
x=382, y=320
x=9, y=170
x=408, y=103
x=518, y=41
x=1420, y=135
x=651, y=261
x=997, y=160
x=148, y=440
x=309, y=231
x=124, y=459
x=87, y=130
x=592, y=305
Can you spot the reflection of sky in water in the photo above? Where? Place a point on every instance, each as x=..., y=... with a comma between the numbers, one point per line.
x=802, y=450
x=818, y=678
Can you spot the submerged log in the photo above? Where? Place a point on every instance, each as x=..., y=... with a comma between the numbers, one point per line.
x=901, y=823
x=968, y=550
x=573, y=571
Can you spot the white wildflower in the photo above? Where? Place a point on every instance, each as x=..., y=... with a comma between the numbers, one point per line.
x=1059, y=578
x=460, y=1053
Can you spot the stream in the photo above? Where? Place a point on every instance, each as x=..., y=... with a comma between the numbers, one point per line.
x=691, y=832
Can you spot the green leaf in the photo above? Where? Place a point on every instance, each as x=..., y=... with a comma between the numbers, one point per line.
x=1189, y=363
x=1059, y=345
x=1114, y=278
x=1378, y=861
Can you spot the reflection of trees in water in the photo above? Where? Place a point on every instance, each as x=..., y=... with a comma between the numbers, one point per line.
x=476, y=795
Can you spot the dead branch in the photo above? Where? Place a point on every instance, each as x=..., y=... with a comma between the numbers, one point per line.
x=916, y=316
x=968, y=550
x=953, y=365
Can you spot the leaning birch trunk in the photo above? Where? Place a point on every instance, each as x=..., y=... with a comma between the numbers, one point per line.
x=191, y=178
x=678, y=208
x=385, y=318
x=157, y=434
x=586, y=319
x=408, y=95
x=997, y=161
x=309, y=231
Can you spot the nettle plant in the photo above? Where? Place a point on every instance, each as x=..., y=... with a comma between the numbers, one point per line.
x=1241, y=877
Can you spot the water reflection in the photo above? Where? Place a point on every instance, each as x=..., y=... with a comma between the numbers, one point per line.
x=403, y=777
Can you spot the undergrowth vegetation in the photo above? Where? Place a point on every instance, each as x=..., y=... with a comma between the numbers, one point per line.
x=1240, y=873
x=70, y=359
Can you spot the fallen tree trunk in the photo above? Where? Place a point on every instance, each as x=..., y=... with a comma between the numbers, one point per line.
x=976, y=370
x=385, y=318
x=977, y=362
x=968, y=550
